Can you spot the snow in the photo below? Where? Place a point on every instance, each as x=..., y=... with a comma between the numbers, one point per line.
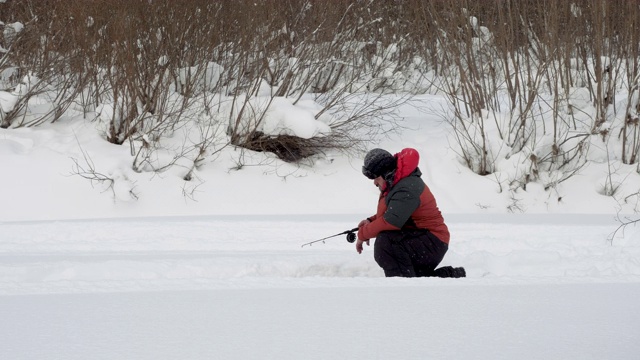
x=155, y=267
x=436, y=321
x=7, y=101
x=282, y=116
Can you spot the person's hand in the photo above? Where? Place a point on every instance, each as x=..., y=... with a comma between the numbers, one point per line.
x=359, y=246
x=360, y=240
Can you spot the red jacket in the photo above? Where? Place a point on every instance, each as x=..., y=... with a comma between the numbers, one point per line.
x=406, y=203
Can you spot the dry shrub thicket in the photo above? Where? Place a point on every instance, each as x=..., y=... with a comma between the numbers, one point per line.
x=538, y=78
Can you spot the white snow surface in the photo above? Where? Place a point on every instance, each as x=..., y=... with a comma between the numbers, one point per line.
x=214, y=268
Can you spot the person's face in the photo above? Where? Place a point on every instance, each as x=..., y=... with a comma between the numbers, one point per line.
x=380, y=183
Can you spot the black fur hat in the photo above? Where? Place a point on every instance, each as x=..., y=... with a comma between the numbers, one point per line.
x=378, y=162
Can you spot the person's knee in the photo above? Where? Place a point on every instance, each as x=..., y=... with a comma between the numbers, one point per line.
x=391, y=256
x=383, y=253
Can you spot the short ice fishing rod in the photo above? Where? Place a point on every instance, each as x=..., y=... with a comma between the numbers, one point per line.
x=351, y=237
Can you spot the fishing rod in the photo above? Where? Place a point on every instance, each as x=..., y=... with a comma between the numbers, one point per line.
x=351, y=237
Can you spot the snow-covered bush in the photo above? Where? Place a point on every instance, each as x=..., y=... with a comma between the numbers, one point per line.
x=534, y=95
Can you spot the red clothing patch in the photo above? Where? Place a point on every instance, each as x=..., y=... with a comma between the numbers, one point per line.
x=407, y=161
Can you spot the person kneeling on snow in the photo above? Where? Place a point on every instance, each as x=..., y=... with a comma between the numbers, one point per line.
x=411, y=236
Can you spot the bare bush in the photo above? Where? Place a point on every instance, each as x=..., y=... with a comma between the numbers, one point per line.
x=522, y=80
x=534, y=83
x=38, y=67
x=311, y=49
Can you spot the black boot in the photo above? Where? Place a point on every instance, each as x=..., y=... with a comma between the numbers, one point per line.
x=450, y=272
x=459, y=272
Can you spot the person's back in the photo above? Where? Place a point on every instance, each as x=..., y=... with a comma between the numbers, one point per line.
x=426, y=215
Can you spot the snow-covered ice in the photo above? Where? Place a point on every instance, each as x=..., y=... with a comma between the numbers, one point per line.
x=231, y=287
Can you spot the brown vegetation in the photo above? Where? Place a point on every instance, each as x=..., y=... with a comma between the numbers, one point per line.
x=135, y=54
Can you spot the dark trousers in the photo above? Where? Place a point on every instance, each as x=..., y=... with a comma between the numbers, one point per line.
x=409, y=253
